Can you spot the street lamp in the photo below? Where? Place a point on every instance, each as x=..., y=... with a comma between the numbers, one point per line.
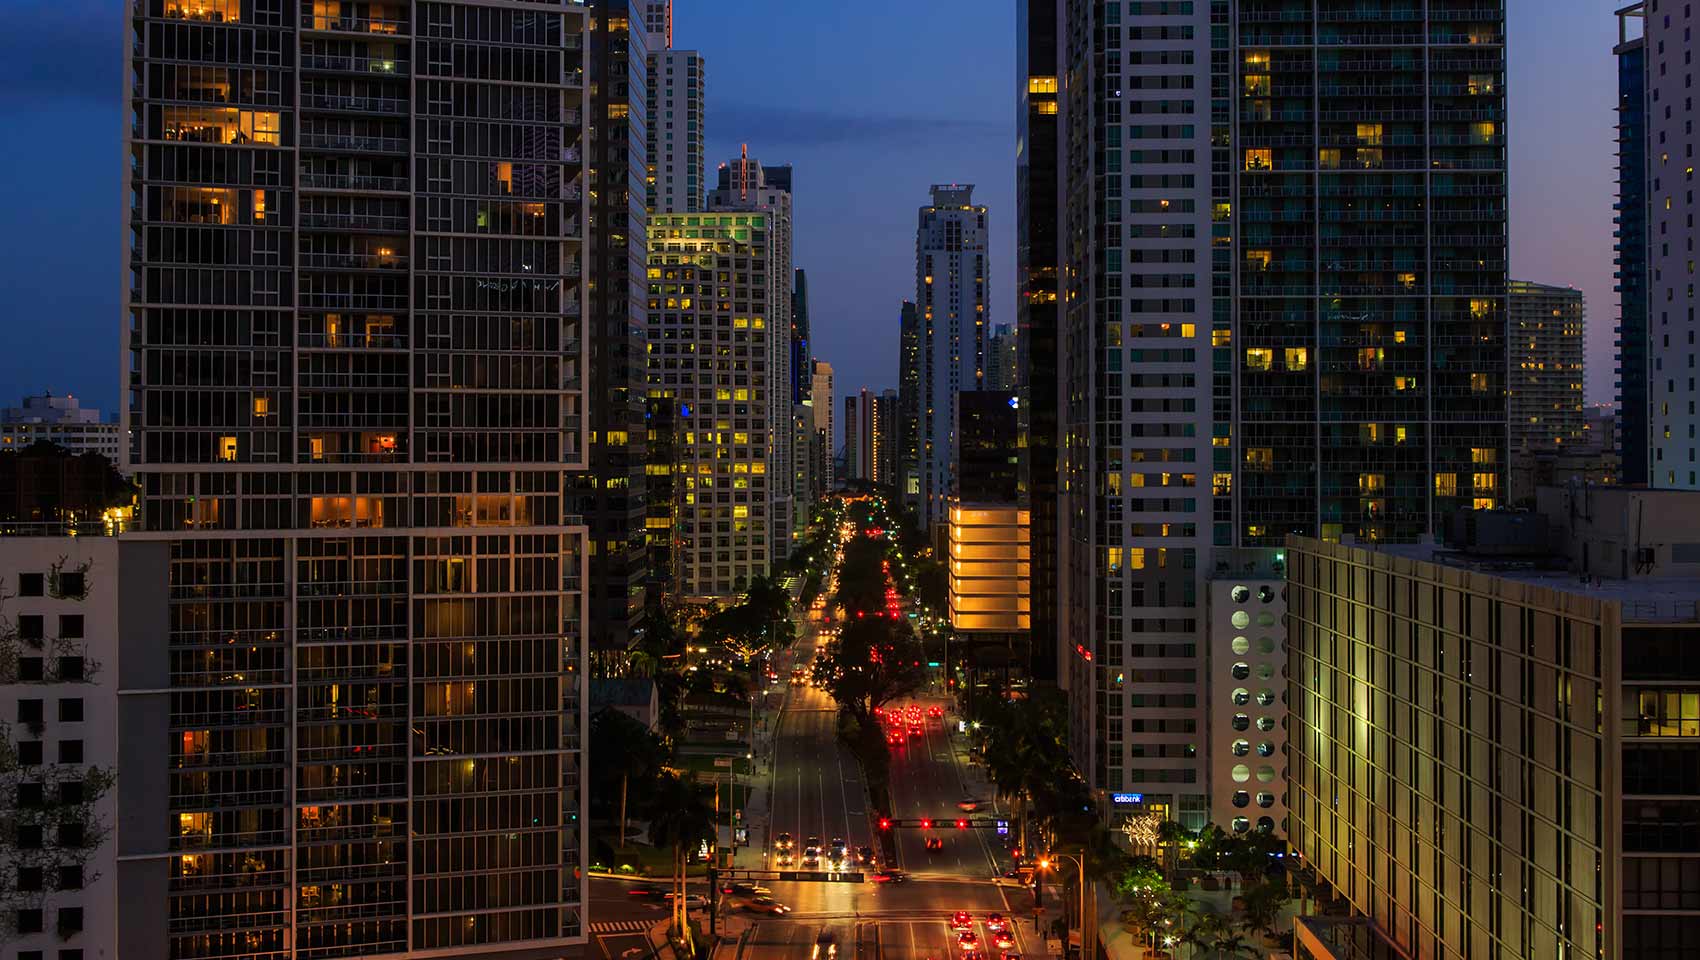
x=1080, y=865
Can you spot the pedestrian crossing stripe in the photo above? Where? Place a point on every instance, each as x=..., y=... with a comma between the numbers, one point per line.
x=621, y=926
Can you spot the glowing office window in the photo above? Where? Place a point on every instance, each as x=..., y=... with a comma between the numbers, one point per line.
x=1297, y=358
x=1259, y=358
x=1446, y=484
x=1259, y=159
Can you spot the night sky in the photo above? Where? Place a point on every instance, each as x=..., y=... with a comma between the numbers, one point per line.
x=872, y=101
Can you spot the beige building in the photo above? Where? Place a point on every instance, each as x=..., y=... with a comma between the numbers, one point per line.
x=990, y=554
x=1494, y=747
x=1547, y=340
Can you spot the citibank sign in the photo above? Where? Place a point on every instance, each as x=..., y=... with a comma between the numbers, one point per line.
x=1127, y=799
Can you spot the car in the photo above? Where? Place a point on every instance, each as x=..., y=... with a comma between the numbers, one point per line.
x=973, y=955
x=935, y=712
x=961, y=920
x=968, y=804
x=894, y=739
x=865, y=856
x=890, y=876
x=647, y=891
x=838, y=846
x=784, y=842
x=826, y=948
x=745, y=888
x=968, y=940
x=1009, y=955
x=995, y=922
x=914, y=732
x=935, y=844
x=813, y=842
x=811, y=857
x=787, y=858
x=766, y=905
x=1003, y=940
x=693, y=901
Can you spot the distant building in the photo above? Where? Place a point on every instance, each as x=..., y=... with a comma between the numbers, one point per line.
x=909, y=406
x=677, y=81
x=633, y=696
x=856, y=461
x=1001, y=371
x=1547, y=327
x=885, y=438
x=1634, y=336
x=658, y=19
x=84, y=685
x=868, y=446
x=1523, y=697
x=987, y=468
x=61, y=420
x=821, y=399
x=952, y=292
x=987, y=539
x=800, y=337
x=665, y=488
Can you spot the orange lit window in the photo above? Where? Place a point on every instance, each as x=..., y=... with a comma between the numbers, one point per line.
x=1259, y=159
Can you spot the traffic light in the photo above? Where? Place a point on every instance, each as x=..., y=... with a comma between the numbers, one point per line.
x=961, y=824
x=885, y=823
x=926, y=824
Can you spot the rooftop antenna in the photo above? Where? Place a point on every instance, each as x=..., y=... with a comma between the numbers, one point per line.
x=744, y=173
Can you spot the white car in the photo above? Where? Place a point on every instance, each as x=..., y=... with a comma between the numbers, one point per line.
x=693, y=901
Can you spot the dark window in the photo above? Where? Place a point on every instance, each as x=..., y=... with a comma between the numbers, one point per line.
x=29, y=836
x=70, y=920
x=70, y=835
x=70, y=626
x=31, y=585
x=31, y=629
x=70, y=709
x=71, y=792
x=30, y=795
x=29, y=878
x=70, y=583
x=29, y=753
x=70, y=955
x=30, y=670
x=29, y=711
x=70, y=669
x=71, y=877
x=70, y=751
x=29, y=921
x=29, y=955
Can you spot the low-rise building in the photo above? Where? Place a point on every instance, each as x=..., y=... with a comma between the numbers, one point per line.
x=61, y=420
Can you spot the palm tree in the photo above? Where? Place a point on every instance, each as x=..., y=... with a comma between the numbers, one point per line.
x=681, y=817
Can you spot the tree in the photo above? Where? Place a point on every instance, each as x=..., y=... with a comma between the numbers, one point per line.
x=873, y=662
x=1026, y=749
x=1263, y=903
x=758, y=623
x=622, y=751
x=681, y=818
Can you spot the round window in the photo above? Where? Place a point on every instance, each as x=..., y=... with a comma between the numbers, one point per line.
x=1266, y=645
x=1241, y=594
x=1241, y=619
x=1266, y=749
x=1241, y=721
x=1266, y=724
x=1242, y=747
x=1266, y=774
x=1266, y=619
x=1241, y=773
x=1241, y=646
x=1241, y=697
x=1265, y=671
x=1241, y=671
x=1265, y=697
x=1265, y=593
x=1242, y=799
x=1266, y=824
x=1241, y=824
x=1266, y=800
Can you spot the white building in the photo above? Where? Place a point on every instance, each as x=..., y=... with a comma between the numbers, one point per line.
x=1246, y=689
x=676, y=79
x=951, y=296
x=62, y=420
x=86, y=614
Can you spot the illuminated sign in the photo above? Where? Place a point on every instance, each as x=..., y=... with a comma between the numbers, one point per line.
x=1125, y=799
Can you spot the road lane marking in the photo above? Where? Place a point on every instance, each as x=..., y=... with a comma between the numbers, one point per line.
x=621, y=926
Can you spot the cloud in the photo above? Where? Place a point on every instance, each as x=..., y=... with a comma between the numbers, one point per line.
x=816, y=128
x=54, y=51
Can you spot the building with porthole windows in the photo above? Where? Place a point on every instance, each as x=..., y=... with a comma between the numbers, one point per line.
x=1246, y=693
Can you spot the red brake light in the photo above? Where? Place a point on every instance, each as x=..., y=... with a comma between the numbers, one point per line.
x=961, y=824
x=926, y=824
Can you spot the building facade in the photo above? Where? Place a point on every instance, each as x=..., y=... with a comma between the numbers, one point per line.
x=909, y=406
x=354, y=289
x=676, y=85
x=1001, y=369
x=1547, y=327
x=1633, y=208
x=614, y=491
x=745, y=186
x=1283, y=310
x=658, y=23
x=885, y=438
x=856, y=435
x=952, y=284
x=709, y=330
x=821, y=400
x=63, y=421
x=78, y=609
x=1489, y=752
x=1245, y=689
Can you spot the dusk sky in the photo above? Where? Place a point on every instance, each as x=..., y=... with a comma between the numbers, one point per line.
x=872, y=102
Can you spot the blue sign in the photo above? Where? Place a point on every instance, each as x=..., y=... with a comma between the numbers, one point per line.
x=684, y=409
x=1015, y=402
x=1124, y=799
x=1003, y=828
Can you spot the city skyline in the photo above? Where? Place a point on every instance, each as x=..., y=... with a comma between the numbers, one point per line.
x=59, y=72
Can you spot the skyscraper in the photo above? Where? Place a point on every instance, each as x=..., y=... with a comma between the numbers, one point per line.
x=801, y=375
x=951, y=291
x=354, y=295
x=1634, y=399
x=909, y=407
x=612, y=494
x=1001, y=370
x=744, y=186
x=1037, y=256
x=867, y=427
x=1547, y=326
x=1665, y=219
x=885, y=438
x=709, y=330
x=658, y=23
x=1294, y=321
x=821, y=399
x=676, y=137
x=855, y=430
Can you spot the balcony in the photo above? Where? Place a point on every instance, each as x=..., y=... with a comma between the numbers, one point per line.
x=353, y=221
x=353, y=143
x=351, y=104
x=354, y=261
x=354, y=301
x=350, y=181
x=353, y=24
x=343, y=63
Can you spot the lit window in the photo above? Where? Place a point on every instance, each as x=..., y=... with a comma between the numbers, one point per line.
x=1446, y=484
x=1259, y=159
x=1259, y=358
x=227, y=448
x=1297, y=358
x=1041, y=84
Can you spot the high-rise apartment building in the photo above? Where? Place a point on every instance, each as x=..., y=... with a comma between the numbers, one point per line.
x=802, y=377
x=1491, y=747
x=613, y=493
x=855, y=437
x=745, y=186
x=1001, y=371
x=951, y=295
x=59, y=420
x=885, y=438
x=676, y=84
x=1547, y=346
x=1283, y=232
x=1037, y=256
x=658, y=23
x=909, y=406
x=1634, y=398
x=355, y=281
x=710, y=321
x=1660, y=342
x=820, y=392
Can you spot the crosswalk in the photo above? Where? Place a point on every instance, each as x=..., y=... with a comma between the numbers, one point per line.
x=621, y=926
